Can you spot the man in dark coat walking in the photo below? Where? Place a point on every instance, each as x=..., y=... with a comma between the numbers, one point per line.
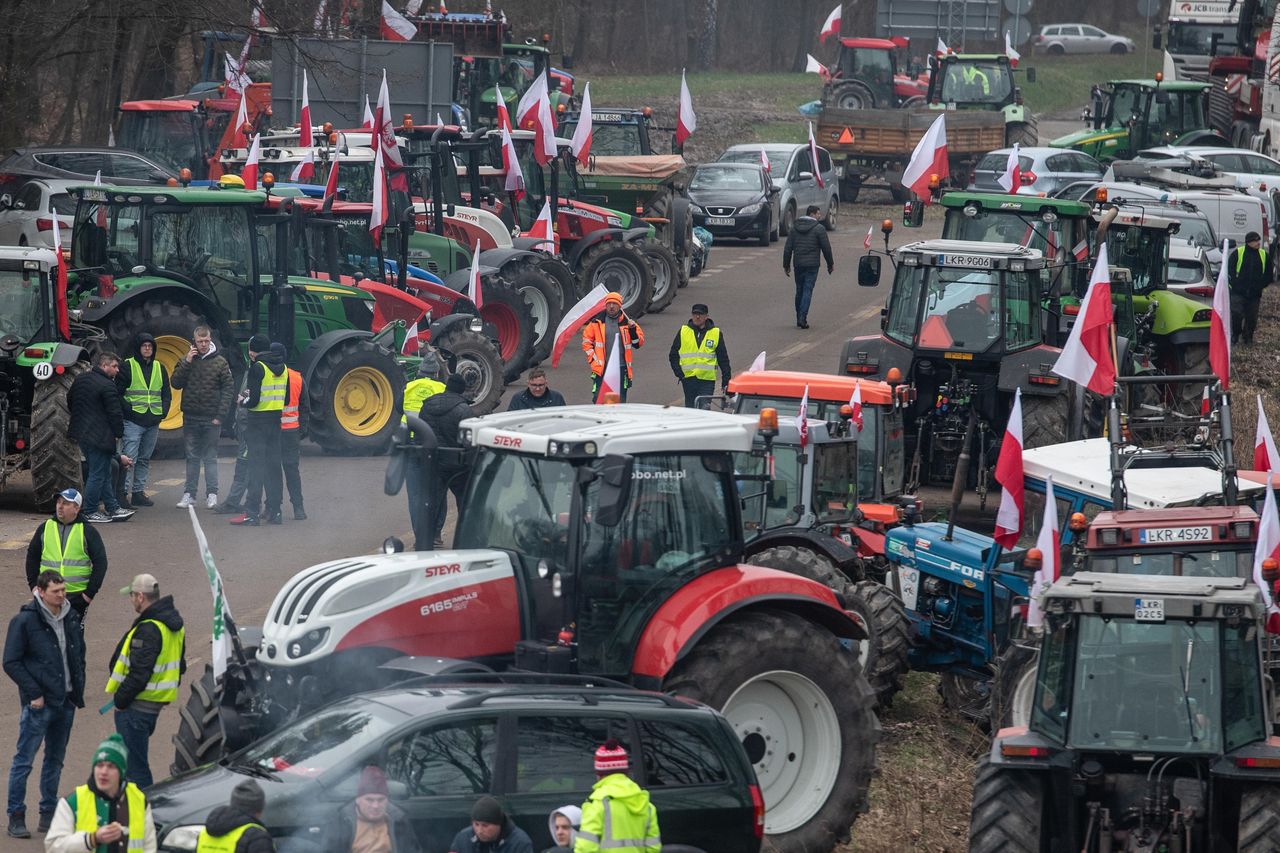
x=807, y=245
x=97, y=423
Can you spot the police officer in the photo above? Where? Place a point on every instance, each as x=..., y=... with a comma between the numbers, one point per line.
x=146, y=669
x=426, y=385
x=698, y=349
x=73, y=549
x=1247, y=274
x=292, y=420
x=237, y=827
x=617, y=816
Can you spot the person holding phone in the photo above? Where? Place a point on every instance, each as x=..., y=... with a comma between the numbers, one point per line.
x=207, y=388
x=106, y=814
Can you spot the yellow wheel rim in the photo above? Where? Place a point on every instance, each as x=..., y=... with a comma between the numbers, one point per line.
x=363, y=401
x=170, y=349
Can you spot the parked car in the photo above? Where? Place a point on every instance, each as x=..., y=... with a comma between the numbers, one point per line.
x=1188, y=271
x=1079, y=38
x=735, y=200
x=26, y=217
x=444, y=743
x=1254, y=173
x=791, y=170
x=1044, y=170
x=80, y=163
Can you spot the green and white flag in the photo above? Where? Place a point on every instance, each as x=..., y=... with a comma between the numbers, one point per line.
x=221, y=612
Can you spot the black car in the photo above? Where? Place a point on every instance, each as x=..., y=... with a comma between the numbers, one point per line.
x=442, y=745
x=735, y=200
x=118, y=166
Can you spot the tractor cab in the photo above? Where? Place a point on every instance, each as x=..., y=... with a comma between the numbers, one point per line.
x=191, y=132
x=1141, y=114
x=972, y=81
x=281, y=155
x=616, y=132
x=866, y=75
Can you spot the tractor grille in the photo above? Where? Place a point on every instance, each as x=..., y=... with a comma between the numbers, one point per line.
x=720, y=211
x=295, y=607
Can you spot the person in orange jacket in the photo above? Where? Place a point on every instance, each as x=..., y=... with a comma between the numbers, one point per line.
x=597, y=341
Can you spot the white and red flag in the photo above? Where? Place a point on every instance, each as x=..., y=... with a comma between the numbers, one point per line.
x=929, y=158
x=831, y=26
x=1220, y=326
x=396, y=27
x=758, y=364
x=1205, y=403
x=367, y=121
x=1080, y=251
x=1009, y=476
x=534, y=113
x=331, y=185
x=384, y=129
x=575, y=318
x=581, y=143
x=241, y=138
x=1086, y=359
x=813, y=156
x=1268, y=548
x=866, y=241
x=855, y=404
x=411, y=342
x=942, y=49
x=233, y=74
x=611, y=379
x=1050, y=543
x=1011, y=180
x=1013, y=55
x=1265, y=457
x=504, y=117
x=813, y=66
x=544, y=229
x=514, y=181
x=304, y=120
x=378, y=214
x=249, y=174
x=764, y=163
x=474, y=291
x=306, y=168
x=60, y=282
x=686, y=122
x=802, y=419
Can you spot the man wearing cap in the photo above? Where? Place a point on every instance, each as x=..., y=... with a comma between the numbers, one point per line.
x=106, y=814
x=44, y=655
x=293, y=420
x=263, y=402
x=371, y=823
x=237, y=827
x=602, y=332
x=491, y=831
x=698, y=349
x=73, y=549
x=97, y=423
x=1247, y=275
x=146, y=669
x=618, y=815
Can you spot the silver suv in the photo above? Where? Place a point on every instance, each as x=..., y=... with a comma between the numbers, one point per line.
x=791, y=169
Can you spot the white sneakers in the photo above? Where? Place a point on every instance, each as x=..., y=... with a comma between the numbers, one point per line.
x=187, y=500
x=212, y=501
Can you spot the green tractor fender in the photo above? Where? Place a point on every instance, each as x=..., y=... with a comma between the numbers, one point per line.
x=1178, y=318
x=1202, y=136
x=317, y=348
x=55, y=353
x=625, y=235
x=114, y=316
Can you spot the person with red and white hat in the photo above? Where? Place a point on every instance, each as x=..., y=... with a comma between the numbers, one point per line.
x=618, y=815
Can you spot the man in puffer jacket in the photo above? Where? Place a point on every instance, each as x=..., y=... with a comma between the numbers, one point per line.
x=204, y=378
x=807, y=245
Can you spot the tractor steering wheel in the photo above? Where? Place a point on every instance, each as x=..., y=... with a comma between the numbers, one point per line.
x=198, y=265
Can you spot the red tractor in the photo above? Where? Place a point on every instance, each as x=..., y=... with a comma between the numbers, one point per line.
x=866, y=76
x=191, y=132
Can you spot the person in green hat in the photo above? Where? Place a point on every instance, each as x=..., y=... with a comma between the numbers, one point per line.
x=105, y=815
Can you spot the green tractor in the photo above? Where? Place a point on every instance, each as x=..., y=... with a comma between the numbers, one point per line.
x=166, y=259
x=973, y=81
x=1138, y=114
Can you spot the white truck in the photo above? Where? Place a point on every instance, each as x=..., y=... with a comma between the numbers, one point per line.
x=1197, y=29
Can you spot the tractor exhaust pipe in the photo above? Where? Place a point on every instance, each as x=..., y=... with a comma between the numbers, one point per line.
x=962, y=472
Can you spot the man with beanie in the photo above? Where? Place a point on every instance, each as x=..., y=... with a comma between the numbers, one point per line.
x=611, y=326
x=698, y=349
x=443, y=413
x=371, y=823
x=144, y=387
x=491, y=831
x=293, y=421
x=237, y=827
x=146, y=670
x=97, y=422
x=428, y=383
x=44, y=655
x=106, y=814
x=263, y=402
x=808, y=245
x=204, y=377
x=618, y=814
x=1248, y=274
x=73, y=549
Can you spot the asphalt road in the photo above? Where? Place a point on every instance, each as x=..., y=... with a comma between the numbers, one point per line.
x=749, y=299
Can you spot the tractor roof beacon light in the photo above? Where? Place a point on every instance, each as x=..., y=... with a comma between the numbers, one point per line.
x=1079, y=523
x=887, y=227
x=893, y=376
x=268, y=181
x=767, y=422
x=1270, y=570
x=184, y=175
x=1034, y=558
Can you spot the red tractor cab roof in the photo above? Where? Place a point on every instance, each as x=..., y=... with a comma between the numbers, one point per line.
x=869, y=43
x=1228, y=527
x=822, y=386
x=175, y=105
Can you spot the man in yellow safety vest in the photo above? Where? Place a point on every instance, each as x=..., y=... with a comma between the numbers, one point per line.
x=617, y=816
x=144, y=387
x=67, y=545
x=106, y=813
x=698, y=349
x=263, y=403
x=428, y=383
x=237, y=827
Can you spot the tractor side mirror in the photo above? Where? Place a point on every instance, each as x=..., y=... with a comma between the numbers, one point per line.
x=615, y=488
x=869, y=271
x=1156, y=38
x=1031, y=74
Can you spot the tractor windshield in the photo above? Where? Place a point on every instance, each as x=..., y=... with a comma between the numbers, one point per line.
x=611, y=140
x=1202, y=562
x=1174, y=114
x=959, y=309
x=976, y=83
x=166, y=136
x=862, y=63
x=1020, y=229
x=1128, y=102
x=1143, y=251
x=22, y=303
x=355, y=252
x=769, y=505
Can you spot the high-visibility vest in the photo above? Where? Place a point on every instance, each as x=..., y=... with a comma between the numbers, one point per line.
x=290, y=415
x=271, y=397
x=605, y=828
x=72, y=562
x=1240, y=250
x=698, y=361
x=87, y=813
x=223, y=843
x=972, y=73
x=594, y=345
x=416, y=392
x=143, y=393
x=162, y=685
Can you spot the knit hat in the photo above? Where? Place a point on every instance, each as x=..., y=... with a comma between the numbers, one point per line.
x=488, y=810
x=372, y=781
x=429, y=367
x=611, y=757
x=259, y=343
x=248, y=797
x=113, y=749
x=613, y=297
x=456, y=384
x=277, y=348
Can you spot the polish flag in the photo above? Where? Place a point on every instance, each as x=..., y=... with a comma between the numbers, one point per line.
x=1220, y=326
x=831, y=26
x=1009, y=476
x=304, y=121
x=1086, y=358
x=1265, y=457
x=942, y=49
x=928, y=158
x=306, y=169
x=855, y=403
x=236, y=79
x=687, y=122
x=758, y=364
x=1011, y=180
x=412, y=8
x=367, y=122
x=866, y=241
x=60, y=284
x=611, y=379
x=331, y=185
x=1204, y=402
x=802, y=419
x=386, y=132
x=504, y=117
x=514, y=182
x=378, y=214
x=543, y=229
x=474, y=292
x=1268, y=547
x=249, y=174
x=411, y=342
x=764, y=163
x=1081, y=250
x=581, y=143
x=813, y=66
x=1049, y=542
x=396, y=27
x=576, y=317
x=1013, y=55
x=813, y=155
x=241, y=139
x=534, y=113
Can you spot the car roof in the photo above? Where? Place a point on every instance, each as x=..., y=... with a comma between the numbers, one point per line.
x=1037, y=151
x=1192, y=150
x=730, y=164
x=435, y=694
x=767, y=146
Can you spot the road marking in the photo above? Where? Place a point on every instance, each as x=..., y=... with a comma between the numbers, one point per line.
x=797, y=348
x=11, y=544
x=867, y=313
x=176, y=481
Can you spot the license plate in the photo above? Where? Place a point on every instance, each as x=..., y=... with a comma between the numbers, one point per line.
x=909, y=583
x=1148, y=609
x=975, y=262
x=719, y=220
x=1156, y=535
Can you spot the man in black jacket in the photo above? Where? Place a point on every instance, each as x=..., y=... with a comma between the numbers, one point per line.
x=75, y=542
x=207, y=393
x=1247, y=274
x=698, y=349
x=538, y=395
x=262, y=400
x=144, y=387
x=491, y=831
x=373, y=815
x=244, y=810
x=443, y=412
x=97, y=422
x=808, y=245
x=44, y=655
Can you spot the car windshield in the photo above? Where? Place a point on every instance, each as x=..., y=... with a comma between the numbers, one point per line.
x=1197, y=39
x=21, y=312
x=1185, y=272
x=777, y=159
x=724, y=178
x=309, y=747
x=976, y=82
x=166, y=136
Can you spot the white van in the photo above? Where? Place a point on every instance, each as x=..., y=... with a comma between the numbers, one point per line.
x=1233, y=214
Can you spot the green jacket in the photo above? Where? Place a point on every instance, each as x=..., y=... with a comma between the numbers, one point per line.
x=618, y=817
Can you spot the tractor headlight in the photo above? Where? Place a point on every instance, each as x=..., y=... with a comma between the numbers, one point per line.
x=184, y=837
x=751, y=209
x=308, y=642
x=476, y=324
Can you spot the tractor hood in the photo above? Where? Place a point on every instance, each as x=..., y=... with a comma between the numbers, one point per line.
x=611, y=218
x=924, y=547
x=1087, y=137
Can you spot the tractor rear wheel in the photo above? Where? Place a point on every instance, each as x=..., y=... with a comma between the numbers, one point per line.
x=507, y=311
x=473, y=357
x=54, y=457
x=1007, y=810
x=541, y=294
x=851, y=95
x=1259, y=820
x=1025, y=134
x=199, y=737
x=1045, y=420
x=1013, y=685
x=798, y=701
x=666, y=274
x=353, y=393
x=621, y=268
x=968, y=697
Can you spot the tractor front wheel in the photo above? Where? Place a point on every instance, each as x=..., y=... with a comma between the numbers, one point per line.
x=473, y=357
x=353, y=393
x=622, y=269
x=542, y=295
x=968, y=697
x=199, y=737
x=1007, y=811
x=506, y=310
x=55, y=458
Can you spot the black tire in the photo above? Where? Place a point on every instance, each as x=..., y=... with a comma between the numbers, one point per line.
x=54, y=457
x=678, y=234
x=890, y=630
x=659, y=207
x=352, y=394
x=788, y=219
x=666, y=274
x=910, y=104
x=473, y=356
x=967, y=697
x=763, y=239
x=1056, y=50
x=851, y=95
x=1259, y=820
x=1191, y=359
x=1012, y=684
x=1007, y=811
x=1025, y=134
x=505, y=308
x=805, y=662
x=542, y=296
x=833, y=214
x=1119, y=48
x=559, y=272
x=1045, y=420
x=199, y=738
x=804, y=562
x=619, y=267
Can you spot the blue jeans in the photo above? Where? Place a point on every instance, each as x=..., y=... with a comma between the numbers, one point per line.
x=52, y=727
x=138, y=444
x=136, y=727
x=98, y=485
x=200, y=441
x=805, y=280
